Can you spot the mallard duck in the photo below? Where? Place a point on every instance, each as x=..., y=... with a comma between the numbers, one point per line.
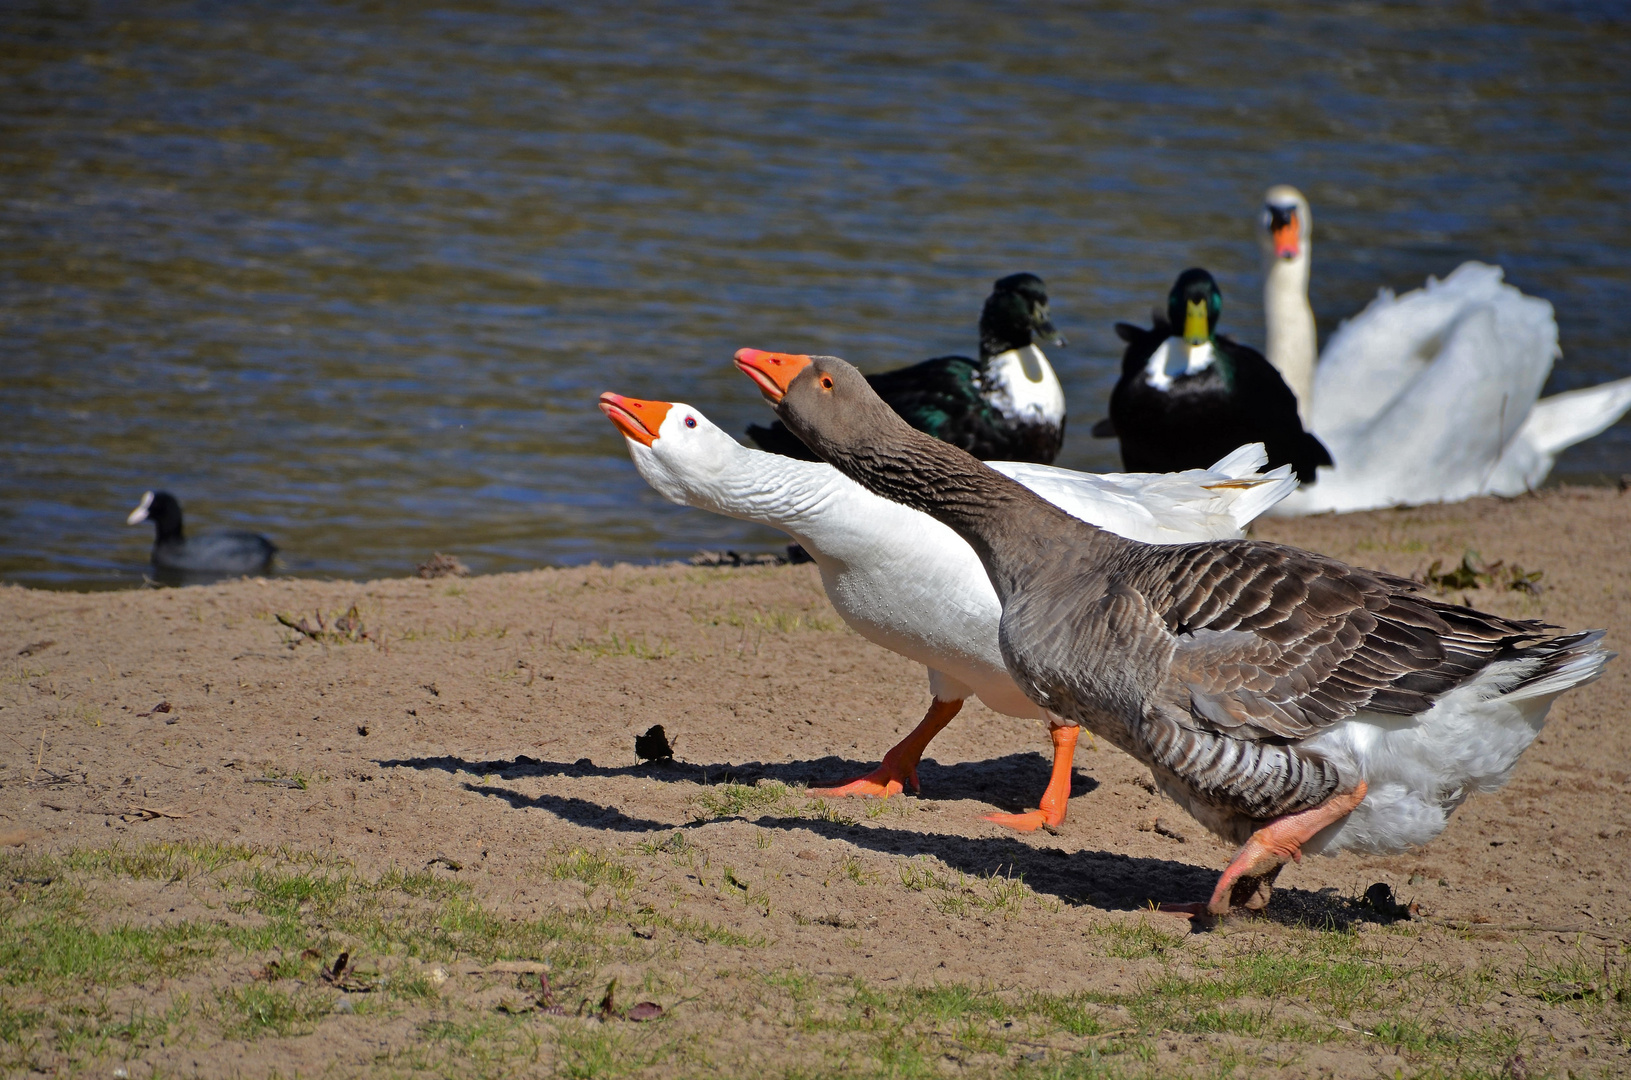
x=1188, y=394
x=1426, y=397
x=1008, y=404
x=1290, y=702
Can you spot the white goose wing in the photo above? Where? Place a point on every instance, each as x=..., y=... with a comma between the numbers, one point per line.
x=1164, y=508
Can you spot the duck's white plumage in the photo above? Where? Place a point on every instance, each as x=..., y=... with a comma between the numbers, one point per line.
x=1175, y=358
x=910, y=584
x=1430, y=396
x=1024, y=387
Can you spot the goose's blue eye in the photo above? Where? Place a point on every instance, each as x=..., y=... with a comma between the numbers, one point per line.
x=690, y=421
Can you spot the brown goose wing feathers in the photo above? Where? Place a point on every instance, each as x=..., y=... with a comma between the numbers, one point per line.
x=1269, y=641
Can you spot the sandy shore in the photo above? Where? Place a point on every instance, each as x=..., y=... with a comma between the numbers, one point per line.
x=488, y=722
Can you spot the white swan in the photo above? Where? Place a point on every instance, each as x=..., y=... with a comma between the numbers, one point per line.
x=1426, y=397
x=904, y=581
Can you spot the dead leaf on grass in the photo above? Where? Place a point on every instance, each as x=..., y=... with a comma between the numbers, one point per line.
x=348, y=981
x=1474, y=573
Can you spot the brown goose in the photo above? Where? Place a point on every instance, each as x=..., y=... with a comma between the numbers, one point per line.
x=1290, y=702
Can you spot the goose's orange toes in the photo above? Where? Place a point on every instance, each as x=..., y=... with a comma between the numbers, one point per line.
x=1269, y=848
x=899, y=768
x=880, y=783
x=1030, y=821
x=1051, y=811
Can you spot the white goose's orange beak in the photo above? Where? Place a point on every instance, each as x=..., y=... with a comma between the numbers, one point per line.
x=774, y=372
x=639, y=420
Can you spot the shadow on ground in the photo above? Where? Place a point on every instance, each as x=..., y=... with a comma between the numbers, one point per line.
x=1100, y=879
x=1005, y=782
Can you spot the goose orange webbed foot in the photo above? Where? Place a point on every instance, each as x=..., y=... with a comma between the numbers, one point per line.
x=1249, y=879
x=899, y=768
x=890, y=778
x=1051, y=813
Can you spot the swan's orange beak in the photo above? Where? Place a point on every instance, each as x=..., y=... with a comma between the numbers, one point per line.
x=773, y=371
x=639, y=420
x=1287, y=238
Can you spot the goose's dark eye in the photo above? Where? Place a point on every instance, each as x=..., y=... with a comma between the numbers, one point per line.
x=690, y=421
x=826, y=382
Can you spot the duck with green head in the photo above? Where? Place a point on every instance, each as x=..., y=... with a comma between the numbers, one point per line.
x=1187, y=392
x=1008, y=405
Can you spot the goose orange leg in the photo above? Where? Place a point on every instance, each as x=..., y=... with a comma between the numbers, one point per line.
x=899, y=767
x=1248, y=877
x=1056, y=797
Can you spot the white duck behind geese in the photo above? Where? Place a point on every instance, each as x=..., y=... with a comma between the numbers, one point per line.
x=1430, y=396
x=1285, y=699
x=908, y=583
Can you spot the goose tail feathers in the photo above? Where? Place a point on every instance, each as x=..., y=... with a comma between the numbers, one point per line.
x=1568, y=661
x=1242, y=462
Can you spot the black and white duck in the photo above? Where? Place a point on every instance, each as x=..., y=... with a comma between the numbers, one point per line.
x=223, y=553
x=1290, y=702
x=1188, y=395
x=1007, y=405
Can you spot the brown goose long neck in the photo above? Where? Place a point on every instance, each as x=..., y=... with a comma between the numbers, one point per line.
x=1006, y=524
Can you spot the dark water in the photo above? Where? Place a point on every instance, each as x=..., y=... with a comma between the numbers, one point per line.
x=353, y=275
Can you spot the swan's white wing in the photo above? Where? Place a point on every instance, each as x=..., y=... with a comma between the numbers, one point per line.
x=1555, y=424
x=1455, y=368
x=1163, y=508
x=1376, y=358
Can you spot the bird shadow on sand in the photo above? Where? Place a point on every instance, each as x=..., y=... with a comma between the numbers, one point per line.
x=1004, y=782
x=1105, y=880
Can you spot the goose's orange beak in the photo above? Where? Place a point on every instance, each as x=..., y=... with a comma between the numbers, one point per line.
x=639, y=420
x=773, y=371
x=1287, y=238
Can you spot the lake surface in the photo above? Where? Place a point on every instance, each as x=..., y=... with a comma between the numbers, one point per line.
x=353, y=276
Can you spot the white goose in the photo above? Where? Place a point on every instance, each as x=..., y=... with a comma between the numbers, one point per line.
x=1426, y=397
x=904, y=581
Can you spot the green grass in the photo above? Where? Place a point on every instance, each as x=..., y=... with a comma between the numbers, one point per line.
x=741, y=800
x=595, y=869
x=85, y=983
x=782, y=620
x=252, y=1011
x=615, y=644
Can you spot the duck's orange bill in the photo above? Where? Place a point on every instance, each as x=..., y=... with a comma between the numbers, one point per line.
x=639, y=420
x=773, y=371
x=1287, y=237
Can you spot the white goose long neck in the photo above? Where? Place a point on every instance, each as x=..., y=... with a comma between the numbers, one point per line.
x=1291, y=344
x=769, y=489
x=803, y=498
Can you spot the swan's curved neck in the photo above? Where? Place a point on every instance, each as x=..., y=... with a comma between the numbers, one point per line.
x=1291, y=344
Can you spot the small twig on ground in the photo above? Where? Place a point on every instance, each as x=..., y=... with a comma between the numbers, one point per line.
x=150, y=812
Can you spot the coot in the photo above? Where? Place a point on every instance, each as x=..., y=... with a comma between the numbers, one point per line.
x=231, y=552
